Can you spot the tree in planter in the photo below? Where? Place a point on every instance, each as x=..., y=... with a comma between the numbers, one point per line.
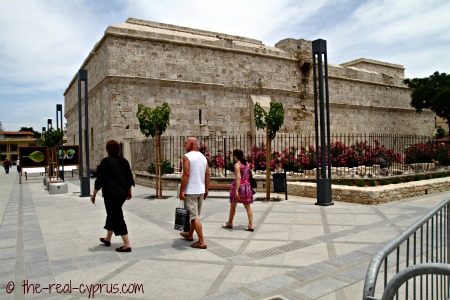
x=270, y=121
x=153, y=122
x=432, y=93
x=53, y=138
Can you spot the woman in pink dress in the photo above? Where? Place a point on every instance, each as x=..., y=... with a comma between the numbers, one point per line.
x=241, y=191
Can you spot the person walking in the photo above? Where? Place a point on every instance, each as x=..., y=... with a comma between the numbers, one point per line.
x=241, y=190
x=18, y=165
x=115, y=178
x=194, y=189
x=6, y=165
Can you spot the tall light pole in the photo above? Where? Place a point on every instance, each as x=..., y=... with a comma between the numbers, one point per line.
x=322, y=117
x=85, y=181
x=60, y=147
x=49, y=124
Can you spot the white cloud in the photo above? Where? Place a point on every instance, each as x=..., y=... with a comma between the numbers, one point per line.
x=44, y=42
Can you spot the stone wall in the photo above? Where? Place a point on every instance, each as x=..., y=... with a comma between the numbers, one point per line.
x=373, y=195
x=151, y=63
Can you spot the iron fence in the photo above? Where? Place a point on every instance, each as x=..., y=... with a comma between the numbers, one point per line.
x=414, y=265
x=295, y=153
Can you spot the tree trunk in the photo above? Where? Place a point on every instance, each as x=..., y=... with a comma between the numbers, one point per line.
x=268, y=154
x=160, y=167
x=448, y=123
x=156, y=166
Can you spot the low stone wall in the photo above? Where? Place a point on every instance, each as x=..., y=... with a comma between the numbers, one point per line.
x=363, y=195
x=373, y=195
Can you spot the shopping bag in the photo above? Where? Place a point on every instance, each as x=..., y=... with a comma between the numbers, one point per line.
x=182, y=221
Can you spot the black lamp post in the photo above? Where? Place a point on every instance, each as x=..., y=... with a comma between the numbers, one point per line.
x=49, y=124
x=85, y=181
x=322, y=117
x=60, y=146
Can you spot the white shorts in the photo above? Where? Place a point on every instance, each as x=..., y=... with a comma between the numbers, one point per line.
x=193, y=204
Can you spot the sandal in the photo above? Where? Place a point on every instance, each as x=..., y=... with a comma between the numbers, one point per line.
x=249, y=229
x=198, y=246
x=185, y=235
x=227, y=226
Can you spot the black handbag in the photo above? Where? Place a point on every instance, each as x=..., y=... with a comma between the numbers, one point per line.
x=253, y=181
x=182, y=221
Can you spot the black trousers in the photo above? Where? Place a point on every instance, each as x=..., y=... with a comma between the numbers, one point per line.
x=114, y=216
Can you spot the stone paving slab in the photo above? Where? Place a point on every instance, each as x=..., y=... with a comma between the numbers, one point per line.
x=298, y=251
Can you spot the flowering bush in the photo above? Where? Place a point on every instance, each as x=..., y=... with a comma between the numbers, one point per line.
x=361, y=153
x=358, y=154
x=298, y=160
x=425, y=153
x=258, y=157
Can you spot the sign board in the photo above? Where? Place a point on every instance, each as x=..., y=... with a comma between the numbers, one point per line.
x=70, y=153
x=33, y=157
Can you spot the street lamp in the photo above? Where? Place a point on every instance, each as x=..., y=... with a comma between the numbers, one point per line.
x=85, y=181
x=59, y=113
x=49, y=124
x=60, y=146
x=322, y=122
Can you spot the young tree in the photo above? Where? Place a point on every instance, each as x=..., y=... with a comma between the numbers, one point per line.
x=52, y=139
x=432, y=93
x=153, y=122
x=270, y=121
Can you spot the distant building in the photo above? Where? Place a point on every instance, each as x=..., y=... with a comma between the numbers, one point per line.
x=211, y=82
x=10, y=141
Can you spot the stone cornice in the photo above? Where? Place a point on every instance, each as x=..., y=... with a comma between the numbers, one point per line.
x=369, y=82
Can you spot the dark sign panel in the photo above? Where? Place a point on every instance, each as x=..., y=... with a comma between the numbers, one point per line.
x=70, y=154
x=33, y=157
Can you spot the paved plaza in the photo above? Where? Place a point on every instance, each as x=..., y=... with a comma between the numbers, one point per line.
x=49, y=246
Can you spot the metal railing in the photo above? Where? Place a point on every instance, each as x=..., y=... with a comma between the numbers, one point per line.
x=143, y=153
x=414, y=265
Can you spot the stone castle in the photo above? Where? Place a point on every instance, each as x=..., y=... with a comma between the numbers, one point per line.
x=212, y=80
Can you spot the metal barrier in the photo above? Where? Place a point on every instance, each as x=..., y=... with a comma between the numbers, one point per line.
x=423, y=251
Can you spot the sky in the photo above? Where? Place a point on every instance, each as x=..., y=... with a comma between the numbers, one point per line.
x=43, y=43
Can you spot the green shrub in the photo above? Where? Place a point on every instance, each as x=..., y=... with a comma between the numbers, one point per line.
x=372, y=183
x=416, y=177
x=396, y=180
x=166, y=168
x=361, y=183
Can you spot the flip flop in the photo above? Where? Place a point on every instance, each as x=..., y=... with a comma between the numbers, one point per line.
x=185, y=235
x=197, y=245
x=249, y=229
x=227, y=226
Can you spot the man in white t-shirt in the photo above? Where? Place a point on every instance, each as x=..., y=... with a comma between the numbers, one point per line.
x=194, y=189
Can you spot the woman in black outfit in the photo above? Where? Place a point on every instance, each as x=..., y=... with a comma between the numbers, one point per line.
x=115, y=177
